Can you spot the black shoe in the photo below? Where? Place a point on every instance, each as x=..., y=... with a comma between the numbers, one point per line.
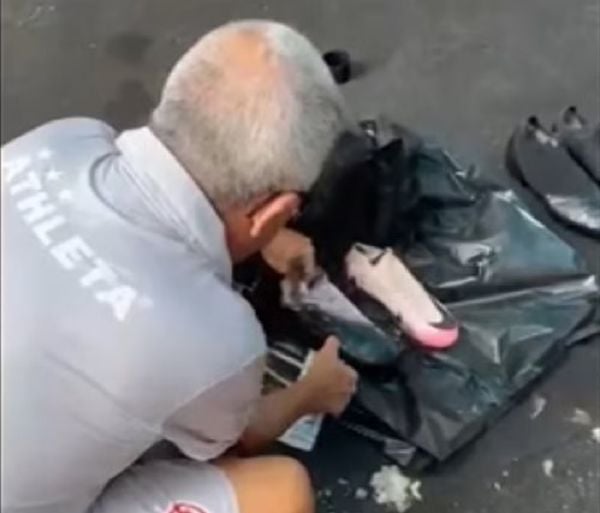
x=536, y=158
x=581, y=140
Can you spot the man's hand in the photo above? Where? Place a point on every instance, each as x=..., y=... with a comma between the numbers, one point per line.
x=327, y=388
x=290, y=254
x=329, y=383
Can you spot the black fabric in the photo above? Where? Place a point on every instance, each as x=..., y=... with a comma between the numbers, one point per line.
x=521, y=295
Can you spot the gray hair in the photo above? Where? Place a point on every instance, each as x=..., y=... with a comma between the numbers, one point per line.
x=251, y=110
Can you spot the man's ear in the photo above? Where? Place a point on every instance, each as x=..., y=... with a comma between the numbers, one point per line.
x=274, y=215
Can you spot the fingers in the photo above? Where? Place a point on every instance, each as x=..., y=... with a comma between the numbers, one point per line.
x=308, y=258
x=302, y=256
x=290, y=250
x=349, y=379
x=303, y=266
x=340, y=404
x=347, y=376
x=337, y=411
x=317, y=274
x=335, y=382
x=332, y=345
x=352, y=377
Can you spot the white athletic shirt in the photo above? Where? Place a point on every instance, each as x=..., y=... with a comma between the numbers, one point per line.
x=120, y=327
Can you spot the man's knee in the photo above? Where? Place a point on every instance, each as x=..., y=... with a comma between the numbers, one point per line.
x=270, y=484
x=295, y=478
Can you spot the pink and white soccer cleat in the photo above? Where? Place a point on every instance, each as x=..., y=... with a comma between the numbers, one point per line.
x=383, y=276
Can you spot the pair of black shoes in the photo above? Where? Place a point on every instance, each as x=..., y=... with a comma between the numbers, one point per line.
x=561, y=165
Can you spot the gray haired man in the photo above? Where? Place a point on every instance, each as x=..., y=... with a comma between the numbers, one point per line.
x=121, y=328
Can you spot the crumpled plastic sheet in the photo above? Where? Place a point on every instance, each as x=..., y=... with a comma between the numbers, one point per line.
x=522, y=297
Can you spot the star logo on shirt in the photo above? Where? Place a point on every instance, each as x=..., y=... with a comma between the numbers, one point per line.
x=53, y=175
x=65, y=196
x=44, y=154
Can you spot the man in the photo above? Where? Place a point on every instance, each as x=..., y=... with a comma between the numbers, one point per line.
x=121, y=328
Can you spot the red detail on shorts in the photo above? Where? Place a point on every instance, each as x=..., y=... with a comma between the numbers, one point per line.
x=180, y=507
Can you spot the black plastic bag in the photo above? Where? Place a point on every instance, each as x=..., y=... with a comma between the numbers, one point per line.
x=521, y=295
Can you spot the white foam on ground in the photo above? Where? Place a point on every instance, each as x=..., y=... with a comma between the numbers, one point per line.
x=415, y=490
x=548, y=467
x=539, y=404
x=581, y=417
x=392, y=488
x=361, y=493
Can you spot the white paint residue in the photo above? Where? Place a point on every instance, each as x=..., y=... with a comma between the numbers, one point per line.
x=37, y=13
x=539, y=404
x=596, y=435
x=581, y=417
x=361, y=494
x=393, y=488
x=548, y=467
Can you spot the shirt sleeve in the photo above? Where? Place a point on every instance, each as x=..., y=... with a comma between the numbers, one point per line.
x=210, y=423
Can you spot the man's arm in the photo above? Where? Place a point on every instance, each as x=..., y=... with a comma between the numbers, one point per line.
x=274, y=414
x=327, y=388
